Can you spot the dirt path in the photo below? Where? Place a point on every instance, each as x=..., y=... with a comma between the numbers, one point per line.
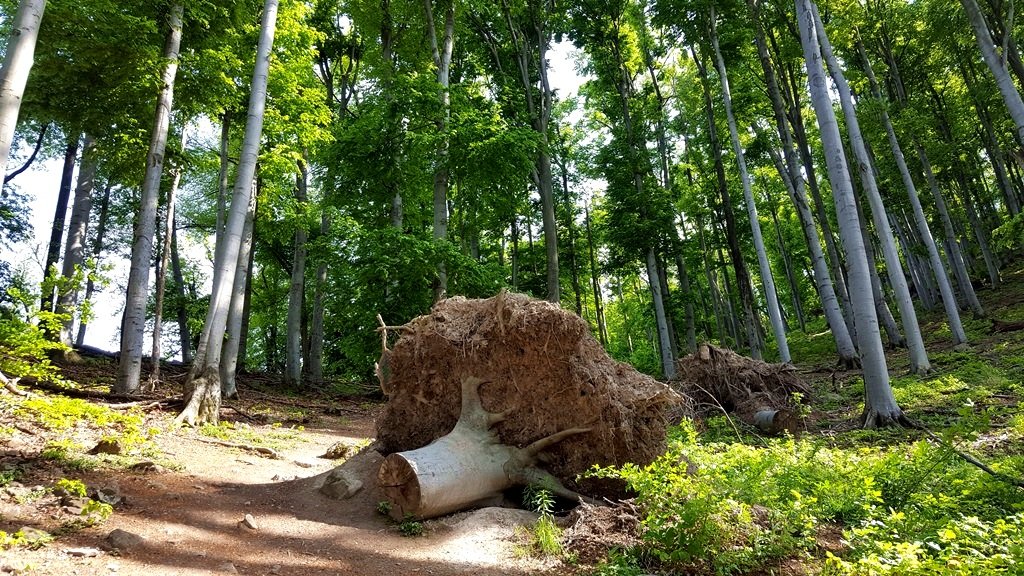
x=190, y=518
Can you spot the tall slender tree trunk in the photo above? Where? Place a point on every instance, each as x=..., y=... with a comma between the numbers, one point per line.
x=731, y=232
x=74, y=248
x=953, y=254
x=97, y=249
x=919, y=363
x=442, y=53
x=161, y=271
x=203, y=385
x=236, y=329
x=18, y=60
x=602, y=327
x=946, y=291
x=60, y=214
x=1011, y=96
x=184, y=333
x=767, y=281
x=129, y=368
x=316, y=330
x=880, y=405
x=296, y=288
x=793, y=179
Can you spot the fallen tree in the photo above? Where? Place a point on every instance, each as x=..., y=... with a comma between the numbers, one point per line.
x=488, y=394
x=765, y=395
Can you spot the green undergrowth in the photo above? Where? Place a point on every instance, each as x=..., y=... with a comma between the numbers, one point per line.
x=903, y=509
x=275, y=436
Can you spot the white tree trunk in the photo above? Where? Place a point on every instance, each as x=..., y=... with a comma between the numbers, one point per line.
x=74, y=248
x=919, y=363
x=21, y=49
x=1011, y=96
x=668, y=364
x=945, y=290
x=767, y=280
x=134, y=322
x=161, y=277
x=203, y=382
x=297, y=290
x=880, y=404
x=316, y=327
x=235, y=335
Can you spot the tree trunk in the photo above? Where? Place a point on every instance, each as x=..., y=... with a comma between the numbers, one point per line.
x=316, y=330
x=18, y=60
x=919, y=363
x=97, y=248
x=946, y=291
x=732, y=234
x=442, y=62
x=60, y=214
x=133, y=325
x=184, y=333
x=74, y=248
x=237, y=328
x=203, y=386
x=297, y=289
x=467, y=467
x=1011, y=96
x=222, y=188
x=767, y=281
x=880, y=405
x=161, y=272
x=793, y=179
x=953, y=254
x=595, y=283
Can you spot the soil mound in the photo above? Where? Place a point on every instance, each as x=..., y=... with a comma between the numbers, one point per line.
x=541, y=365
x=594, y=531
x=721, y=377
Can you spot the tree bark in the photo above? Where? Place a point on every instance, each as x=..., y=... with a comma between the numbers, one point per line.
x=18, y=60
x=595, y=283
x=316, y=330
x=184, y=333
x=97, y=248
x=296, y=289
x=237, y=328
x=946, y=291
x=161, y=271
x=60, y=214
x=134, y=323
x=442, y=54
x=919, y=363
x=880, y=405
x=767, y=281
x=1011, y=96
x=74, y=248
x=203, y=385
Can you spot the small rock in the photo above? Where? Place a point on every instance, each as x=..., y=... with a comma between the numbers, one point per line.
x=249, y=522
x=275, y=569
x=107, y=446
x=34, y=534
x=336, y=451
x=83, y=552
x=122, y=540
x=108, y=495
x=302, y=464
x=13, y=566
x=146, y=467
x=228, y=567
x=276, y=478
x=341, y=485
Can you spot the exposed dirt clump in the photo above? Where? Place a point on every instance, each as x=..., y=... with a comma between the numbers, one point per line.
x=541, y=365
x=594, y=531
x=722, y=378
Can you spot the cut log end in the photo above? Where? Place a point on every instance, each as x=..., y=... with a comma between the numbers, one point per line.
x=397, y=480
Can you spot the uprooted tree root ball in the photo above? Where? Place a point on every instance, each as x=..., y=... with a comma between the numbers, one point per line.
x=540, y=368
x=758, y=392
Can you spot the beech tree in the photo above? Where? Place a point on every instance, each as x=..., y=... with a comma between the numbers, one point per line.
x=17, y=64
x=203, y=384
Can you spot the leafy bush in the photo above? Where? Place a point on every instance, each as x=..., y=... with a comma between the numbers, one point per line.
x=745, y=506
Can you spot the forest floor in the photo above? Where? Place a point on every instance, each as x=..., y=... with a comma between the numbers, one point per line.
x=187, y=497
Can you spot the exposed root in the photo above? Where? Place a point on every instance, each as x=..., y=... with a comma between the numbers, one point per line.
x=871, y=419
x=11, y=385
x=202, y=401
x=849, y=362
x=261, y=450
